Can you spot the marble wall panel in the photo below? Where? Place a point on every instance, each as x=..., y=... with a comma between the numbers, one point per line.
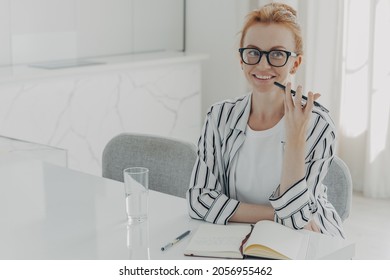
x=81, y=113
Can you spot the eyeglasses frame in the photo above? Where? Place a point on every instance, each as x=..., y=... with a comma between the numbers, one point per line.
x=288, y=53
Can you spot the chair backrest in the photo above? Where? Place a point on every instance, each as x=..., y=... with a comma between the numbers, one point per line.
x=170, y=161
x=339, y=183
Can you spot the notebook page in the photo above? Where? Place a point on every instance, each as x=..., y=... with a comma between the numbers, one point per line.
x=291, y=243
x=218, y=239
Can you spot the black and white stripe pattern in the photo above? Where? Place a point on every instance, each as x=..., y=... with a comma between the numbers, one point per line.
x=211, y=196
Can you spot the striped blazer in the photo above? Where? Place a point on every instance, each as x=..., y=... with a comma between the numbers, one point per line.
x=212, y=192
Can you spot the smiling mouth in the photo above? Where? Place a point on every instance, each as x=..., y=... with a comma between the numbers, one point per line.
x=261, y=77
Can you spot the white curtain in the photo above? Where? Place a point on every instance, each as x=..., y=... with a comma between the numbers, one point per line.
x=348, y=62
x=365, y=102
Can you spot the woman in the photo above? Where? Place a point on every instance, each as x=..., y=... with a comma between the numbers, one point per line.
x=264, y=156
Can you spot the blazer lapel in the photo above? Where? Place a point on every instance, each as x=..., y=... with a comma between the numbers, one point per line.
x=237, y=134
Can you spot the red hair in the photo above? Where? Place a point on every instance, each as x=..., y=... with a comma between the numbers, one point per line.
x=275, y=13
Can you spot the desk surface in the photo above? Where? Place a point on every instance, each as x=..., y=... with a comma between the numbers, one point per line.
x=51, y=212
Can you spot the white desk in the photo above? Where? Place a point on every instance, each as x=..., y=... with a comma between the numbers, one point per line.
x=50, y=212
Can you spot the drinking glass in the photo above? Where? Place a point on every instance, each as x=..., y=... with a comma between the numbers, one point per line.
x=136, y=192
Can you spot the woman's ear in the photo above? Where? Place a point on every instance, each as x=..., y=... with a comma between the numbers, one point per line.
x=296, y=65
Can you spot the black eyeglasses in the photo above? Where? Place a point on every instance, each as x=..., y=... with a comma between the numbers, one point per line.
x=276, y=58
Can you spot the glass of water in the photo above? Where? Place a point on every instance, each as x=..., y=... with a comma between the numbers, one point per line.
x=136, y=192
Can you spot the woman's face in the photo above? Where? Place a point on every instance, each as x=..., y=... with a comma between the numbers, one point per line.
x=267, y=37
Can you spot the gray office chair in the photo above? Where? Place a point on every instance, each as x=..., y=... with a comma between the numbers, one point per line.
x=339, y=183
x=170, y=162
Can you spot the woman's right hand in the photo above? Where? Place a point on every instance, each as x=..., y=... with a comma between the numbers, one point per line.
x=311, y=225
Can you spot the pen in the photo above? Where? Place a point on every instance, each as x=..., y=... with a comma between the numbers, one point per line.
x=180, y=237
x=293, y=92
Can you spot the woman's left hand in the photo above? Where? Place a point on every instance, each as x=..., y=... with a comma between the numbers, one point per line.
x=296, y=122
x=297, y=116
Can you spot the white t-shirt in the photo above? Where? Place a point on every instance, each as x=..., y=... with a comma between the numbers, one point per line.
x=259, y=164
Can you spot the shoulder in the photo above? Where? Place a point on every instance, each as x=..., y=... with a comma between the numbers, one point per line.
x=226, y=111
x=325, y=116
x=321, y=124
x=229, y=104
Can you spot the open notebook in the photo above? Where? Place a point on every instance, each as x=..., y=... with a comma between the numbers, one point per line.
x=266, y=239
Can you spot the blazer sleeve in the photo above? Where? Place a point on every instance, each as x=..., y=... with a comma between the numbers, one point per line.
x=307, y=198
x=206, y=196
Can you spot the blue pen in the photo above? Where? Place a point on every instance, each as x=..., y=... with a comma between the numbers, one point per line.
x=180, y=237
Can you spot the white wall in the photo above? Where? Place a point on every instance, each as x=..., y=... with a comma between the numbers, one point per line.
x=45, y=30
x=213, y=28
x=5, y=46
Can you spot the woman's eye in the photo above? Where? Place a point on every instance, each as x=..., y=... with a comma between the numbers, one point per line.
x=277, y=54
x=253, y=53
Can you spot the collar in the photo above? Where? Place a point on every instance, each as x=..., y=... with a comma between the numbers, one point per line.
x=241, y=113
